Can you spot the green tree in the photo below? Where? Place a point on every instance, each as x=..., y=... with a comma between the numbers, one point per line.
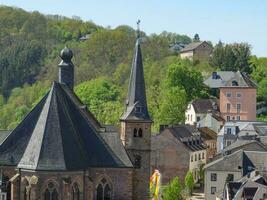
x=189, y=182
x=196, y=38
x=173, y=190
x=182, y=75
x=232, y=57
x=172, y=106
x=102, y=98
x=262, y=89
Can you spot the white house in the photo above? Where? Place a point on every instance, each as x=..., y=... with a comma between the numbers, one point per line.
x=198, y=109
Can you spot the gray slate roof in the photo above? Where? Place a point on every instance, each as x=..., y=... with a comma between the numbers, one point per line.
x=235, y=162
x=192, y=46
x=204, y=105
x=3, y=135
x=136, y=105
x=188, y=135
x=225, y=79
x=60, y=134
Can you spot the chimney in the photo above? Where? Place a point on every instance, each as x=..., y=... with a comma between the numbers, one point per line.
x=66, y=68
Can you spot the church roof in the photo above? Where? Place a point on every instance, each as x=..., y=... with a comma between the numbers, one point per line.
x=61, y=134
x=136, y=105
x=57, y=135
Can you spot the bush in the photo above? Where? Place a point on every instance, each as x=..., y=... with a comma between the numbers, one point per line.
x=173, y=190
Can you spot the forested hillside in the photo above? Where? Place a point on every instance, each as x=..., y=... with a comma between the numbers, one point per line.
x=30, y=44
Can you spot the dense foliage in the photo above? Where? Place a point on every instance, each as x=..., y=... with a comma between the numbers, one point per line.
x=173, y=190
x=232, y=57
x=30, y=44
x=189, y=182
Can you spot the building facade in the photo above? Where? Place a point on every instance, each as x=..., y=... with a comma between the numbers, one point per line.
x=177, y=150
x=61, y=152
x=197, y=51
x=237, y=95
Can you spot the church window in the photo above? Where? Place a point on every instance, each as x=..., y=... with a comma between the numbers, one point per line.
x=137, y=161
x=7, y=187
x=75, y=192
x=140, y=133
x=138, y=109
x=135, y=132
x=103, y=190
x=51, y=192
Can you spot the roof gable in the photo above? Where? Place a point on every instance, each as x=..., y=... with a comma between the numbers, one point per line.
x=194, y=45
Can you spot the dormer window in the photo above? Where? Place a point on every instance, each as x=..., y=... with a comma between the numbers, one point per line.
x=234, y=83
x=138, y=109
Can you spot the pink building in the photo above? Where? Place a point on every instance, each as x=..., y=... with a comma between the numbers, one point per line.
x=237, y=95
x=238, y=103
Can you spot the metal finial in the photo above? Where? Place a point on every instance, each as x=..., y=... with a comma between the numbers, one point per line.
x=138, y=28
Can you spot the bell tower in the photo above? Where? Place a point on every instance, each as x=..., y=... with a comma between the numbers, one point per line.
x=136, y=126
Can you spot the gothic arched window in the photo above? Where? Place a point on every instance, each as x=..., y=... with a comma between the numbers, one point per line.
x=137, y=161
x=135, y=132
x=75, y=192
x=7, y=187
x=140, y=132
x=103, y=190
x=51, y=192
x=99, y=191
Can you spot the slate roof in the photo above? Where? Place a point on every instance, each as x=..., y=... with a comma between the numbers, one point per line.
x=233, y=188
x=207, y=134
x=252, y=145
x=136, y=105
x=235, y=162
x=60, y=134
x=247, y=186
x=3, y=135
x=226, y=78
x=192, y=46
x=204, y=105
x=188, y=135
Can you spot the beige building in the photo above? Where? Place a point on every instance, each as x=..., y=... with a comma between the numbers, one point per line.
x=176, y=150
x=231, y=167
x=197, y=51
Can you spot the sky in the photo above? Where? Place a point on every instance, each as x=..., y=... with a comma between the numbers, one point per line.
x=226, y=20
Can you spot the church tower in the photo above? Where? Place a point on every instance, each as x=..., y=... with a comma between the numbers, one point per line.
x=136, y=126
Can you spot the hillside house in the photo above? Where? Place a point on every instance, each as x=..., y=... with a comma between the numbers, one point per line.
x=197, y=51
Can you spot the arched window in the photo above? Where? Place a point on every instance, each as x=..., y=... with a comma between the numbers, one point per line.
x=54, y=195
x=140, y=132
x=51, y=192
x=99, y=192
x=47, y=195
x=135, y=132
x=25, y=194
x=103, y=190
x=137, y=161
x=75, y=192
x=7, y=187
x=107, y=193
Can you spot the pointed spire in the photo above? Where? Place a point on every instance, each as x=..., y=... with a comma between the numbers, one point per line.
x=136, y=105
